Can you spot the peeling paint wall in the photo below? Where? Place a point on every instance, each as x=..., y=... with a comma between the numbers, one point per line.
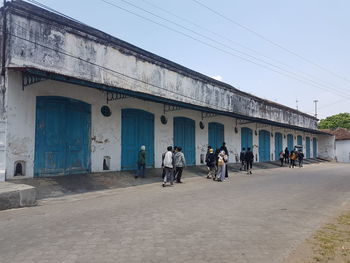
x=106, y=131
x=342, y=149
x=326, y=147
x=2, y=127
x=40, y=44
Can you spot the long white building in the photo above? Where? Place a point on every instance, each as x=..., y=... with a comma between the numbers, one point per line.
x=77, y=100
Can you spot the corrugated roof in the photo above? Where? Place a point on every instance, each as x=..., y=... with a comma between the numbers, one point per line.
x=340, y=133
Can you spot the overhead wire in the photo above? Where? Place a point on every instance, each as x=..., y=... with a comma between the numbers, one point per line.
x=160, y=25
x=116, y=73
x=279, y=70
x=271, y=41
x=54, y=11
x=237, y=43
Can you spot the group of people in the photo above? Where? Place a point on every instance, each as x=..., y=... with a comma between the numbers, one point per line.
x=246, y=158
x=173, y=162
x=287, y=157
x=217, y=163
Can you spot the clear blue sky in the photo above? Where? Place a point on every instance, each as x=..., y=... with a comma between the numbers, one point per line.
x=315, y=29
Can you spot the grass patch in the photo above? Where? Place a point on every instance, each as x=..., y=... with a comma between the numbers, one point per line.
x=332, y=242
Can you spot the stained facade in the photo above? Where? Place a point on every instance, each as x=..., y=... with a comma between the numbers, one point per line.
x=75, y=99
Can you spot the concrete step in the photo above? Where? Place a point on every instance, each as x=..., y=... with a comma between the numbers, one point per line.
x=16, y=195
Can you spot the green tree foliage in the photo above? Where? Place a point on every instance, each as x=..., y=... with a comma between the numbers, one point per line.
x=341, y=120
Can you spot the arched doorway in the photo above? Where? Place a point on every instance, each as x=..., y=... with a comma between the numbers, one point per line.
x=264, y=146
x=216, y=134
x=62, y=136
x=184, y=136
x=278, y=145
x=137, y=130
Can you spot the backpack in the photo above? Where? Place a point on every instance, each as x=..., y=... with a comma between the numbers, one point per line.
x=221, y=161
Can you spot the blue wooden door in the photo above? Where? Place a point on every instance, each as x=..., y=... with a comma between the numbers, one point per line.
x=290, y=142
x=264, y=146
x=307, y=142
x=246, y=138
x=184, y=136
x=62, y=136
x=137, y=130
x=216, y=134
x=300, y=140
x=278, y=145
x=314, y=147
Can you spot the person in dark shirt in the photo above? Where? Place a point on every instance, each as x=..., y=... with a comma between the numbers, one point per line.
x=300, y=158
x=242, y=159
x=286, y=155
x=210, y=160
x=249, y=158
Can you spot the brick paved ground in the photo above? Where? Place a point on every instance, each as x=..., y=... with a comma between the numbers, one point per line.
x=257, y=218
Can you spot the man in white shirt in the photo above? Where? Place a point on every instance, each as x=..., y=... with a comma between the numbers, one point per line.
x=168, y=166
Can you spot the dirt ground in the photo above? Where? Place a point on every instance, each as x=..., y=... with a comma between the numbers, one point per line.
x=331, y=243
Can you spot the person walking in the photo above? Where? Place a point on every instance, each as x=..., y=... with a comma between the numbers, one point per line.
x=220, y=177
x=286, y=155
x=216, y=155
x=224, y=148
x=141, y=162
x=292, y=157
x=168, y=166
x=249, y=158
x=180, y=163
x=300, y=159
x=210, y=160
x=281, y=156
x=163, y=168
x=174, y=167
x=242, y=159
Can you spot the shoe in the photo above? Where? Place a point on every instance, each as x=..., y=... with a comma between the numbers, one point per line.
x=250, y=172
x=208, y=177
x=171, y=183
x=136, y=176
x=179, y=182
x=163, y=184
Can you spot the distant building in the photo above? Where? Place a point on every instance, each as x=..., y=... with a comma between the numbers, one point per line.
x=77, y=100
x=342, y=144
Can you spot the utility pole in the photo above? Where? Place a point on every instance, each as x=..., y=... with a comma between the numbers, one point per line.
x=315, y=101
x=296, y=101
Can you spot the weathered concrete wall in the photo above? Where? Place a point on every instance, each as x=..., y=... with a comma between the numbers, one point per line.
x=326, y=146
x=41, y=44
x=2, y=127
x=342, y=151
x=106, y=132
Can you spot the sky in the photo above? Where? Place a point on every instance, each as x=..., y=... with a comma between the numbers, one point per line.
x=242, y=43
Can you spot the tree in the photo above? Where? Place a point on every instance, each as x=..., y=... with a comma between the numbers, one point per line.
x=341, y=120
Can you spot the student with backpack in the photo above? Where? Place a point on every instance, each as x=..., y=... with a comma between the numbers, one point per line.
x=293, y=156
x=180, y=163
x=222, y=158
x=242, y=159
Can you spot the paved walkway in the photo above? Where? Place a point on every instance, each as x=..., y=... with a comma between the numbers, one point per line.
x=257, y=218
